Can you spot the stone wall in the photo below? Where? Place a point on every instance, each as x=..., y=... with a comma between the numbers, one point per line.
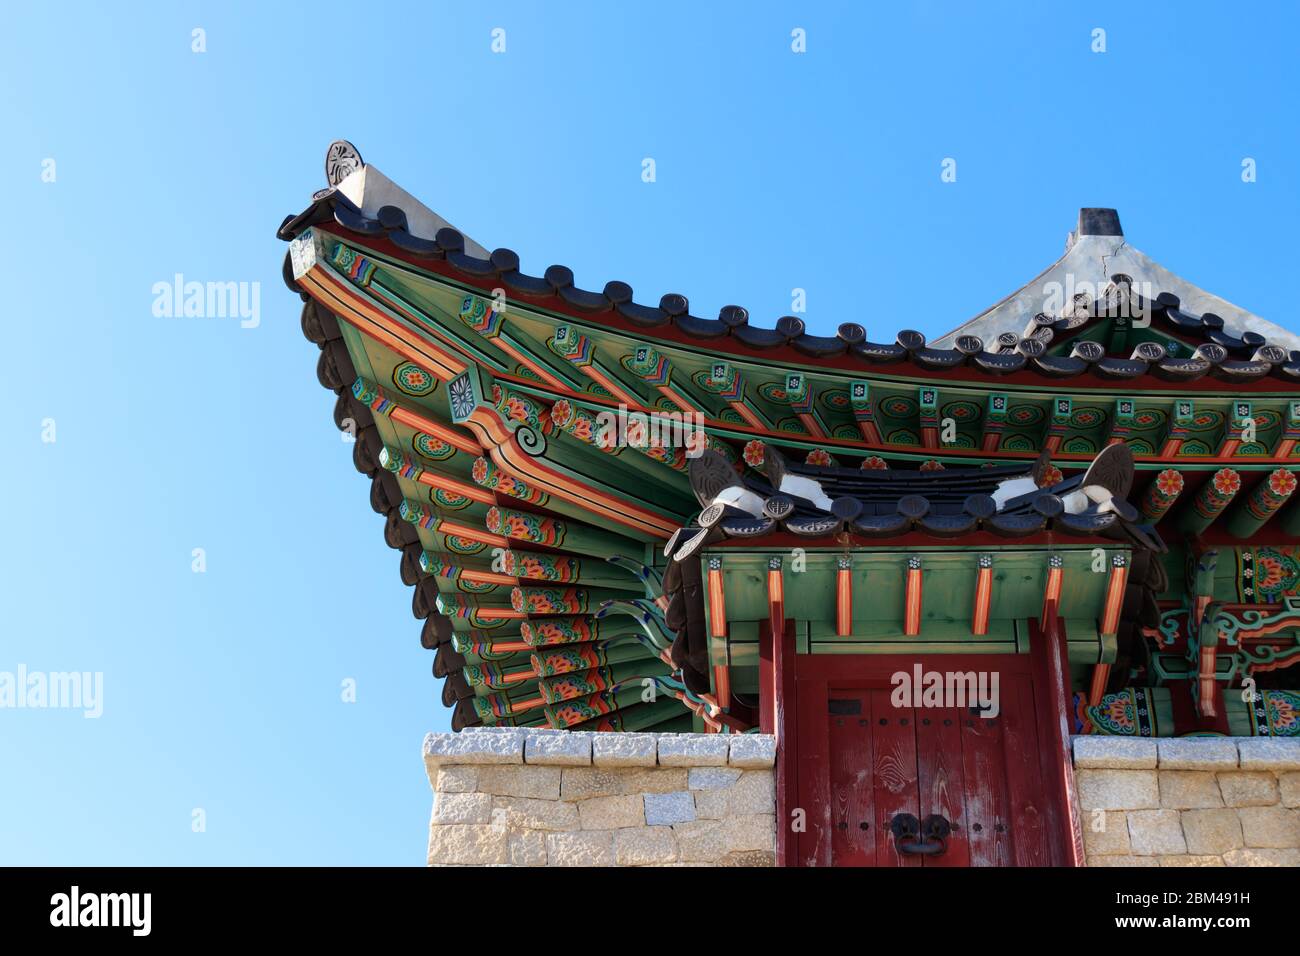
x=1189, y=801
x=514, y=797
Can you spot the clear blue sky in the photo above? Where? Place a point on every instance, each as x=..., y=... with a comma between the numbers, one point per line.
x=775, y=170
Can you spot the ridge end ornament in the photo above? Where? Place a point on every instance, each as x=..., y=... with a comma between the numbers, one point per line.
x=342, y=159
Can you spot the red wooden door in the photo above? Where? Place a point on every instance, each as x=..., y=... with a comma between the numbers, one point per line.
x=862, y=761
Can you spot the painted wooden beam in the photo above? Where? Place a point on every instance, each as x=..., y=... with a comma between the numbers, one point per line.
x=1114, y=600
x=1052, y=588
x=995, y=421
x=1161, y=493
x=1240, y=417
x=927, y=402
x=802, y=397
x=1290, y=432
x=844, y=596
x=1121, y=421
x=717, y=598
x=912, y=597
x=860, y=400
x=979, y=619
x=1180, y=423
x=1059, y=424
x=1264, y=501
x=1213, y=496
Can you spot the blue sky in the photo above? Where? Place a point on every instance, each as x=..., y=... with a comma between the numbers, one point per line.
x=774, y=170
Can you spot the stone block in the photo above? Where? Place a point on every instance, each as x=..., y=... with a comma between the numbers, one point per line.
x=528, y=848
x=645, y=846
x=1155, y=832
x=701, y=841
x=1269, y=753
x=1249, y=789
x=1188, y=790
x=1289, y=784
x=468, y=845
x=693, y=750
x=1100, y=752
x=1117, y=789
x=1190, y=860
x=752, y=751
x=749, y=858
x=624, y=750
x=1124, y=861
x=505, y=745
x=666, y=809
x=1253, y=856
x=462, y=808
x=658, y=780
x=1196, y=753
x=568, y=749
x=1270, y=827
x=612, y=813
x=1212, y=831
x=457, y=780
x=754, y=792
x=1105, y=833
x=583, y=783
x=585, y=848
x=522, y=813
x=712, y=778
x=539, y=783
x=751, y=831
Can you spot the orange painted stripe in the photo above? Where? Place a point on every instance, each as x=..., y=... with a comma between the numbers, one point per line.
x=474, y=534
x=1100, y=676
x=498, y=613
x=618, y=391
x=983, y=598
x=442, y=482
x=844, y=602
x=912, y=613
x=929, y=438
x=438, y=430
x=1284, y=448
x=379, y=327
x=1051, y=595
x=1114, y=600
x=1053, y=443
x=748, y=414
x=537, y=369
x=775, y=588
x=810, y=423
x=676, y=397
x=1170, y=448
x=722, y=681
x=1229, y=447
x=717, y=604
x=488, y=577
x=870, y=432
x=992, y=440
x=518, y=677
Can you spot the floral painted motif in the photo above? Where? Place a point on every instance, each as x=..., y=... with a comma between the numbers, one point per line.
x=754, y=453
x=541, y=567
x=875, y=463
x=1281, y=482
x=1226, y=482
x=1051, y=476
x=559, y=630
x=931, y=464
x=1170, y=482
x=820, y=456
x=1266, y=575
x=431, y=447
x=413, y=380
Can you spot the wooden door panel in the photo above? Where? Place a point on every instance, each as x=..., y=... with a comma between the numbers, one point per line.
x=853, y=817
x=815, y=795
x=893, y=774
x=1029, y=830
x=988, y=815
x=941, y=779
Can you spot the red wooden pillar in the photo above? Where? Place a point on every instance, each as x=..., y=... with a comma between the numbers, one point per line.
x=776, y=660
x=1054, y=701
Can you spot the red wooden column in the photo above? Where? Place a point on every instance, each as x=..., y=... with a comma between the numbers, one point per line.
x=844, y=596
x=776, y=707
x=1054, y=698
x=979, y=618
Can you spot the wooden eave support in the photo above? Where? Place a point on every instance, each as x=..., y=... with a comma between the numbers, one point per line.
x=1161, y=493
x=1112, y=606
x=844, y=596
x=1264, y=501
x=979, y=620
x=1209, y=502
x=912, y=597
x=717, y=598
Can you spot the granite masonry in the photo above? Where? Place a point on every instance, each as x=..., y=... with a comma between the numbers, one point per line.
x=1189, y=801
x=516, y=797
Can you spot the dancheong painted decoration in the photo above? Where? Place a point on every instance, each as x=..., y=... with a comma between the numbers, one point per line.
x=1070, y=515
